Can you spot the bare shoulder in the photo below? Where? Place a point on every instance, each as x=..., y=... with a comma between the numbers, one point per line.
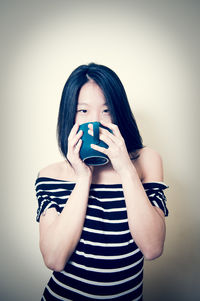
x=150, y=163
x=57, y=170
x=147, y=153
x=50, y=170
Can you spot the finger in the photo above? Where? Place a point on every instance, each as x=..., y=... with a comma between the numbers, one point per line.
x=99, y=148
x=75, y=140
x=106, y=139
x=73, y=153
x=112, y=127
x=90, y=132
x=105, y=136
x=73, y=131
x=78, y=146
x=112, y=140
x=90, y=126
x=108, y=134
x=90, y=129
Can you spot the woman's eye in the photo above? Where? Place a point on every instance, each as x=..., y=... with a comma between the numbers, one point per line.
x=106, y=111
x=82, y=111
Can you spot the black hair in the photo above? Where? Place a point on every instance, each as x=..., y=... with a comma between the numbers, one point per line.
x=116, y=100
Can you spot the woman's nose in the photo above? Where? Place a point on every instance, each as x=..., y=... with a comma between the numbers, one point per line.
x=95, y=117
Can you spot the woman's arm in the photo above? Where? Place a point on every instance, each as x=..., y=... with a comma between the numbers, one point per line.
x=146, y=222
x=59, y=234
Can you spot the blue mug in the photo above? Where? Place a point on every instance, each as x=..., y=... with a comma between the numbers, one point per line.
x=89, y=155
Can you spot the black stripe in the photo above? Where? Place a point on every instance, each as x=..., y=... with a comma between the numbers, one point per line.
x=96, y=262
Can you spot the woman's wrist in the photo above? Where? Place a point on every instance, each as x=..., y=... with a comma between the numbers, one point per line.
x=86, y=179
x=129, y=172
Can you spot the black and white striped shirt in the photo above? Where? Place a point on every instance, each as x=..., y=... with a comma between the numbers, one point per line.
x=106, y=264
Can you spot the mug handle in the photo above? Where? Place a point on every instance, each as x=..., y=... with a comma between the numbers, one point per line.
x=96, y=132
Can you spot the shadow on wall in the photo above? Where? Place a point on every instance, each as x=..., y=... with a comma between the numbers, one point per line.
x=175, y=275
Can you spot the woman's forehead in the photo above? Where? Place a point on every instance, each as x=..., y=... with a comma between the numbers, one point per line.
x=90, y=92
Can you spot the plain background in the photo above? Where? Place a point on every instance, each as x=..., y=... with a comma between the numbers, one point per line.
x=154, y=48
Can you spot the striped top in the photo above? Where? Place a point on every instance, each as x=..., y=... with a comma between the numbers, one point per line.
x=106, y=264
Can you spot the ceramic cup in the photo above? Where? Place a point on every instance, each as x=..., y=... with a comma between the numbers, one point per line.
x=89, y=155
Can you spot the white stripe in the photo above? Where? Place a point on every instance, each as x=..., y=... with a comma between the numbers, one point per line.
x=161, y=199
x=53, y=197
x=162, y=203
x=161, y=193
x=53, y=190
x=105, y=232
x=90, y=197
x=43, y=298
x=91, y=189
x=65, y=299
x=106, y=188
x=102, y=283
x=98, y=270
x=61, y=205
x=100, y=244
x=107, y=257
x=54, y=182
x=164, y=207
x=47, y=207
x=107, y=210
x=94, y=188
x=45, y=200
x=106, y=199
x=57, y=296
x=155, y=203
x=96, y=296
x=151, y=195
x=50, y=203
x=99, y=219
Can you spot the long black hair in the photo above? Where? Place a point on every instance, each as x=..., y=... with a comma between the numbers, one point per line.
x=116, y=101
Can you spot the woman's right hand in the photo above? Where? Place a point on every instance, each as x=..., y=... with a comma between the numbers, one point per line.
x=74, y=144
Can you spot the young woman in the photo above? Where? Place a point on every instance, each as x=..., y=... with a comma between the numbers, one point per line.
x=97, y=224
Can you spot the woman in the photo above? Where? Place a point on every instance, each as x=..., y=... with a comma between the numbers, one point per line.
x=98, y=223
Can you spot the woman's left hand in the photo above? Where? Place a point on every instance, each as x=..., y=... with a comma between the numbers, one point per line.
x=116, y=151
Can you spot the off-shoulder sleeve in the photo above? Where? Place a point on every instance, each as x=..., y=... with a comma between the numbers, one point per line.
x=45, y=199
x=154, y=191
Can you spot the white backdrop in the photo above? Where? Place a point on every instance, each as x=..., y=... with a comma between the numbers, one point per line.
x=154, y=48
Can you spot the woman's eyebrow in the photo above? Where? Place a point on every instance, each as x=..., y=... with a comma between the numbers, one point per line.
x=83, y=103
x=87, y=104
